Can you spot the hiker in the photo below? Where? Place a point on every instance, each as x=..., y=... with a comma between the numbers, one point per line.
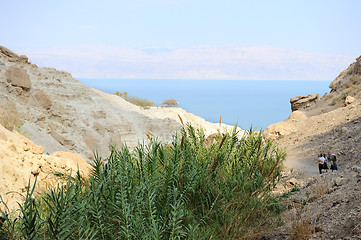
x=321, y=161
x=325, y=162
x=333, y=162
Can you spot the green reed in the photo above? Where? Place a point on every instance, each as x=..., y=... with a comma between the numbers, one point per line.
x=189, y=188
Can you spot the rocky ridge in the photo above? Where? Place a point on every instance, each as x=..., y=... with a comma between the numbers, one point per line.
x=60, y=113
x=326, y=206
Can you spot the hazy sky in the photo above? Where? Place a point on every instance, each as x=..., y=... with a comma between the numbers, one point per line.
x=196, y=39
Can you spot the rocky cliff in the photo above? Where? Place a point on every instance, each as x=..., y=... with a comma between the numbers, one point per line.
x=60, y=113
x=328, y=205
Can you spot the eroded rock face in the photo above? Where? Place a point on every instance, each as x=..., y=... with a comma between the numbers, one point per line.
x=42, y=99
x=350, y=74
x=356, y=69
x=18, y=77
x=302, y=102
x=8, y=52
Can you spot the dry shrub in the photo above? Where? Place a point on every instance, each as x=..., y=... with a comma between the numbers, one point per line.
x=302, y=227
x=10, y=117
x=318, y=190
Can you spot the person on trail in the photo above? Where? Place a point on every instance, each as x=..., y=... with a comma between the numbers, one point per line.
x=325, y=162
x=321, y=162
x=333, y=162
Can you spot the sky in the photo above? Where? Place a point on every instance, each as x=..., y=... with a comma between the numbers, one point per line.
x=186, y=39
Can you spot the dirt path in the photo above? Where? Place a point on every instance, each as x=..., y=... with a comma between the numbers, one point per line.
x=297, y=162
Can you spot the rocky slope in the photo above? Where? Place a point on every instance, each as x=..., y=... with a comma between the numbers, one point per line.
x=60, y=113
x=327, y=206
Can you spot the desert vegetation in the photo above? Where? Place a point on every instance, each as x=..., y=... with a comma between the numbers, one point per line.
x=341, y=96
x=186, y=189
x=135, y=100
x=170, y=102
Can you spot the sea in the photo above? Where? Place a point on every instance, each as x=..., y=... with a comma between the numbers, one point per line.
x=248, y=103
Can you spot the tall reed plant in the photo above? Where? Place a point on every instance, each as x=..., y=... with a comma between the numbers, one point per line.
x=189, y=188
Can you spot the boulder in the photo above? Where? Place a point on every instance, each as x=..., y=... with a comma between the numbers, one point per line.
x=18, y=77
x=302, y=102
x=278, y=130
x=41, y=117
x=292, y=183
x=349, y=100
x=24, y=58
x=42, y=99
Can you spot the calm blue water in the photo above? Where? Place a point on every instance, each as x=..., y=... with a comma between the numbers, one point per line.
x=257, y=103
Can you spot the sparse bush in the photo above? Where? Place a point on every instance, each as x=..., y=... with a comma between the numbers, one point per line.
x=170, y=102
x=341, y=96
x=317, y=191
x=182, y=190
x=140, y=102
x=135, y=100
x=302, y=228
x=10, y=117
x=123, y=94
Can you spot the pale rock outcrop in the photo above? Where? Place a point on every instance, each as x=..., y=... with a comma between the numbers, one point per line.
x=278, y=130
x=24, y=58
x=21, y=160
x=8, y=53
x=345, y=76
x=18, y=77
x=302, y=102
x=349, y=100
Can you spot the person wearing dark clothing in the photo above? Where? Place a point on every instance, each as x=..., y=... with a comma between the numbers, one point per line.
x=333, y=162
x=321, y=162
x=325, y=162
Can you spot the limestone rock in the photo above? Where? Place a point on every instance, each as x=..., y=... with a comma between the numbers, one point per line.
x=349, y=100
x=42, y=99
x=24, y=58
x=41, y=117
x=8, y=52
x=76, y=159
x=292, y=183
x=301, y=102
x=18, y=77
x=278, y=130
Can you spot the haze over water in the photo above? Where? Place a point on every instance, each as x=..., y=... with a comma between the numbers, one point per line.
x=247, y=102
